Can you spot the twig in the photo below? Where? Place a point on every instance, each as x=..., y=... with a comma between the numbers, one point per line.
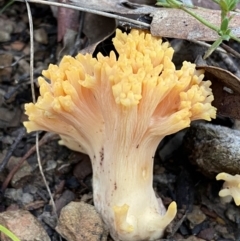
x=31, y=50
x=6, y=6
x=12, y=148
x=204, y=44
x=109, y=15
x=230, y=50
x=34, y=100
x=13, y=64
x=44, y=140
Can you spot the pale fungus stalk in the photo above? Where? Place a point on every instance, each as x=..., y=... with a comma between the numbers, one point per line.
x=117, y=110
x=231, y=187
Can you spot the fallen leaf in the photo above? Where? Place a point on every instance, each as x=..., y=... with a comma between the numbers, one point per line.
x=167, y=22
x=226, y=91
x=226, y=77
x=116, y=6
x=67, y=19
x=175, y=23
x=208, y=4
x=97, y=28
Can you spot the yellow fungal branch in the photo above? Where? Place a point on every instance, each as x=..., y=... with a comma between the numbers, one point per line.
x=231, y=186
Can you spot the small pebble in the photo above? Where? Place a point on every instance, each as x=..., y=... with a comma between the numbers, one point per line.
x=79, y=221
x=196, y=216
x=40, y=36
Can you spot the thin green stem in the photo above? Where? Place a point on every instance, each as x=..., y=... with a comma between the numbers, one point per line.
x=179, y=5
x=9, y=233
x=6, y=6
x=206, y=23
x=200, y=19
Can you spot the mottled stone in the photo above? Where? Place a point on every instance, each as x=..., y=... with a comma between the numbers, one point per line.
x=213, y=148
x=79, y=221
x=24, y=225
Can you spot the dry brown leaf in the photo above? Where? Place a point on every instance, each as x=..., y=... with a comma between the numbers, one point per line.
x=172, y=23
x=209, y=4
x=226, y=91
x=97, y=28
x=175, y=23
x=115, y=6
x=67, y=19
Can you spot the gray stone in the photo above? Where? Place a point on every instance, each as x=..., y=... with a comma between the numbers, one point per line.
x=213, y=148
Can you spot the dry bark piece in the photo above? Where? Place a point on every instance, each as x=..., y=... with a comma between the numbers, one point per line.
x=24, y=225
x=79, y=221
x=213, y=148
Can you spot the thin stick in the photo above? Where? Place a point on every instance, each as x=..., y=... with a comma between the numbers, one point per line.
x=44, y=140
x=31, y=50
x=109, y=15
x=12, y=148
x=230, y=50
x=34, y=101
x=204, y=44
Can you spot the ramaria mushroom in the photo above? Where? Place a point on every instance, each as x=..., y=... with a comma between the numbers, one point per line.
x=117, y=110
x=231, y=187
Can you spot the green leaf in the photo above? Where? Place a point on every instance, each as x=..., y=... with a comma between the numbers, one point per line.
x=233, y=4
x=6, y=6
x=223, y=5
x=9, y=233
x=163, y=3
x=224, y=24
x=213, y=47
